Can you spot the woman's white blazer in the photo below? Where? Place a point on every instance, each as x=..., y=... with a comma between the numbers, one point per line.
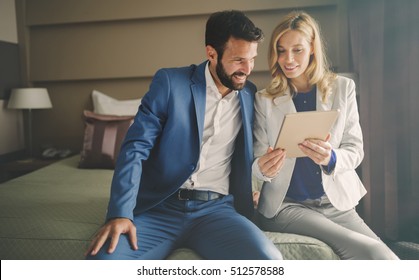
x=343, y=186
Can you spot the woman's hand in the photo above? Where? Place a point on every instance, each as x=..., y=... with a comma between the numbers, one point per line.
x=271, y=162
x=318, y=150
x=256, y=196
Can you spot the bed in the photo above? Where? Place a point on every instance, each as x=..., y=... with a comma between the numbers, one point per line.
x=53, y=213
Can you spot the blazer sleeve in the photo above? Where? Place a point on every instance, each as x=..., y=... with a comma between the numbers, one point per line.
x=138, y=142
x=350, y=152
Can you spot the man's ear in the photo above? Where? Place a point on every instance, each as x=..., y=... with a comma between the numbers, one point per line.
x=211, y=53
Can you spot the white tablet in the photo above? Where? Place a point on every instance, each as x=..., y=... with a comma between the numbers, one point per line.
x=297, y=127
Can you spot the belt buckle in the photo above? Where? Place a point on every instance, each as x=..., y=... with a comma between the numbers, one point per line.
x=179, y=196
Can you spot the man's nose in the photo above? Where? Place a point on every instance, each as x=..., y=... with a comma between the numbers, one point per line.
x=247, y=67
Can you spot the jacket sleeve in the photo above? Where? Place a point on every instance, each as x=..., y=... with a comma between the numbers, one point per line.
x=350, y=152
x=138, y=142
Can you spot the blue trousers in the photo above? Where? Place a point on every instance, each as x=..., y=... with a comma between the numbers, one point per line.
x=213, y=229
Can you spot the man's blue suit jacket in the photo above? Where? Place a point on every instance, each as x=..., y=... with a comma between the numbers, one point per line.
x=161, y=149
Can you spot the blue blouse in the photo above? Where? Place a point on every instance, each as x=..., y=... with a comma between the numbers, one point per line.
x=306, y=180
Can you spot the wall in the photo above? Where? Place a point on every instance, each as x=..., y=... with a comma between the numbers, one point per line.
x=11, y=121
x=8, y=29
x=73, y=47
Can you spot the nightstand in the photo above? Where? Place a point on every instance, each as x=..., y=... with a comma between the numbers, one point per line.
x=13, y=169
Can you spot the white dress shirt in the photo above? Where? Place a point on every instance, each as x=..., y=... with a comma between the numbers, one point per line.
x=221, y=126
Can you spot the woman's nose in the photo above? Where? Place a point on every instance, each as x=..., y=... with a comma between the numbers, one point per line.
x=289, y=57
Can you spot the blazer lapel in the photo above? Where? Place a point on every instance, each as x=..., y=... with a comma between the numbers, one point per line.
x=245, y=103
x=198, y=89
x=246, y=108
x=282, y=105
x=323, y=106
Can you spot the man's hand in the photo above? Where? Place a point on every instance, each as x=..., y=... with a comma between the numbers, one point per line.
x=271, y=162
x=319, y=151
x=112, y=230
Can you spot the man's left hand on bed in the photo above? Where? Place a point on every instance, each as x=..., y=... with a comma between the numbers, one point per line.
x=112, y=230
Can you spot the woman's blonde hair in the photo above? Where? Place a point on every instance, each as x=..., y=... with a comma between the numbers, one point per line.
x=317, y=71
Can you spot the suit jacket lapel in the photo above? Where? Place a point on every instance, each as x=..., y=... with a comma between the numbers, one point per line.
x=284, y=103
x=245, y=103
x=198, y=89
x=323, y=106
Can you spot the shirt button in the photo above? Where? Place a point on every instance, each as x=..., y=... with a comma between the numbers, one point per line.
x=305, y=101
x=192, y=167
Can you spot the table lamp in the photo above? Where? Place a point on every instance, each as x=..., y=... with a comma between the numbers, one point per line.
x=29, y=98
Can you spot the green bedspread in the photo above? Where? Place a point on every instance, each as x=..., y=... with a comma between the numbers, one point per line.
x=54, y=212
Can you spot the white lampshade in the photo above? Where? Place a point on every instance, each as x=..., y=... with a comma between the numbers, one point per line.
x=29, y=98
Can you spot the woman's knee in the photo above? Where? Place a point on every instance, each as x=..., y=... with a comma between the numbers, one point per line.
x=374, y=250
x=380, y=251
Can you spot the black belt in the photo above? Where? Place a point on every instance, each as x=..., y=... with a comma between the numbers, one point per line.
x=186, y=194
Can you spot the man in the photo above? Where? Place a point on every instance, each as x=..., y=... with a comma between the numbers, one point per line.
x=185, y=164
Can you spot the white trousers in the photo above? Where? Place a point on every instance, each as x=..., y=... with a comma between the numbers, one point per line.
x=344, y=231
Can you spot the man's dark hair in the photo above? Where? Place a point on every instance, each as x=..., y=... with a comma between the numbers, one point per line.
x=223, y=25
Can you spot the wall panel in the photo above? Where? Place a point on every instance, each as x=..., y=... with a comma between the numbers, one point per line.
x=138, y=48
x=11, y=121
x=47, y=12
x=9, y=68
x=73, y=47
x=114, y=49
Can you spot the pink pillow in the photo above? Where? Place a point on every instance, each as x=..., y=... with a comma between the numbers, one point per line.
x=103, y=136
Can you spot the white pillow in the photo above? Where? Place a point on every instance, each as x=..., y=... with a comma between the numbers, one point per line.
x=106, y=105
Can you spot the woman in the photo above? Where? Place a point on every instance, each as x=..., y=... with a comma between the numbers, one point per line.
x=314, y=195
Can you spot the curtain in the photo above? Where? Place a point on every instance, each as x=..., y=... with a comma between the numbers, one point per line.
x=384, y=40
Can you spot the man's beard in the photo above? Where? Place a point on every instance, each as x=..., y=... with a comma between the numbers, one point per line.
x=227, y=80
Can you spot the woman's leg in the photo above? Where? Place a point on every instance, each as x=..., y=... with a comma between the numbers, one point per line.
x=344, y=231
